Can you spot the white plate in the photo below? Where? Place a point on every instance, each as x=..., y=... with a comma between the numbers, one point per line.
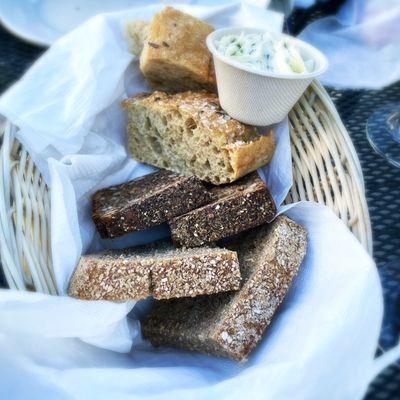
x=43, y=21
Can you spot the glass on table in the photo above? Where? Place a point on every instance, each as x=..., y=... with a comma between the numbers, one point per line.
x=383, y=132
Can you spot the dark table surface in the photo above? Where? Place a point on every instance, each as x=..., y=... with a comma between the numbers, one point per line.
x=382, y=182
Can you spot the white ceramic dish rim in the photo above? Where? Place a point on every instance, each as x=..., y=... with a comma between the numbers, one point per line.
x=24, y=35
x=314, y=53
x=20, y=32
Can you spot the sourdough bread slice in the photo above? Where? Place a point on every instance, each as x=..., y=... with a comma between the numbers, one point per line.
x=158, y=270
x=238, y=206
x=190, y=134
x=231, y=324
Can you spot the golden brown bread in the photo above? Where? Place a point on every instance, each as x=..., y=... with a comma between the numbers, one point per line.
x=190, y=134
x=174, y=56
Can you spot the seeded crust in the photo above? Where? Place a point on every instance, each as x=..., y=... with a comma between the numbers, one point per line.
x=239, y=206
x=158, y=270
x=190, y=134
x=231, y=324
x=174, y=52
x=146, y=202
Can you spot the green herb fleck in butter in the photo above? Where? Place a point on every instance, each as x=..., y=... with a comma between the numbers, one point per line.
x=264, y=52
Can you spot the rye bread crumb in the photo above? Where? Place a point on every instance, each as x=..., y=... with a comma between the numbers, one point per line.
x=158, y=270
x=238, y=206
x=232, y=324
x=146, y=202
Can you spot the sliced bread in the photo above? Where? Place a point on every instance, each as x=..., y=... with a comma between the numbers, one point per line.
x=231, y=324
x=189, y=133
x=146, y=202
x=238, y=206
x=158, y=270
x=174, y=55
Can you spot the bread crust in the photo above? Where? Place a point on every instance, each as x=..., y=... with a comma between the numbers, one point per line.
x=250, y=156
x=137, y=33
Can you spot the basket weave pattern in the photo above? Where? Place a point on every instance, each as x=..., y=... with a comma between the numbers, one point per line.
x=25, y=218
x=325, y=169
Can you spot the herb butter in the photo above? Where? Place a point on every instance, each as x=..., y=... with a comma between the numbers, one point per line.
x=264, y=52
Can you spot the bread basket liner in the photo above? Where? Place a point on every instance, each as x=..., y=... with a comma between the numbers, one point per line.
x=61, y=144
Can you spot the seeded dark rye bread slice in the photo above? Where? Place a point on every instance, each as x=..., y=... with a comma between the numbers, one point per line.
x=146, y=202
x=158, y=270
x=231, y=324
x=241, y=205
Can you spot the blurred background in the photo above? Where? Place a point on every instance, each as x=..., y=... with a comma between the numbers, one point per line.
x=361, y=39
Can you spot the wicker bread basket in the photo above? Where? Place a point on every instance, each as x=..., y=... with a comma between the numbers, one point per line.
x=325, y=169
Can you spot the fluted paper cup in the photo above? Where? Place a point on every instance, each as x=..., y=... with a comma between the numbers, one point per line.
x=256, y=97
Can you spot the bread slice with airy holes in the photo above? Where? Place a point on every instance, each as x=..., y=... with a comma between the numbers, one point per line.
x=190, y=134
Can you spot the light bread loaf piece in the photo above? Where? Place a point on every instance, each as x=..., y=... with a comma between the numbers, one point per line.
x=190, y=134
x=174, y=55
x=158, y=270
x=232, y=324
